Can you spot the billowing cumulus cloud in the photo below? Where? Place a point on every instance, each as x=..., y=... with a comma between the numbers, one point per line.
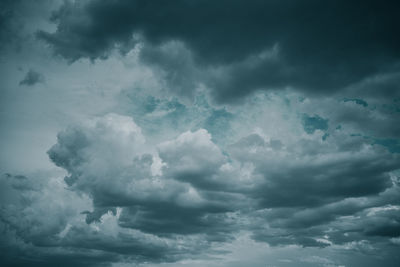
x=108, y=162
x=141, y=197
x=307, y=191
x=201, y=133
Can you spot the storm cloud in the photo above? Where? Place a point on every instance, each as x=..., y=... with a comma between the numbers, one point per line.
x=201, y=133
x=316, y=47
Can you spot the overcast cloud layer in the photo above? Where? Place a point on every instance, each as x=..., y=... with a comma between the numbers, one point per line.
x=199, y=133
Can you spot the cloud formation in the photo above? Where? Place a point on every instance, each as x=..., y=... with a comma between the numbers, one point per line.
x=144, y=198
x=31, y=78
x=108, y=161
x=201, y=133
x=319, y=48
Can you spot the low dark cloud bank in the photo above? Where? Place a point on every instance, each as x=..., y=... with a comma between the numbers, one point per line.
x=314, y=46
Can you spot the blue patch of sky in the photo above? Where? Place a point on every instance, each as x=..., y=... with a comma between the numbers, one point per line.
x=357, y=101
x=153, y=113
x=313, y=123
x=218, y=124
x=393, y=145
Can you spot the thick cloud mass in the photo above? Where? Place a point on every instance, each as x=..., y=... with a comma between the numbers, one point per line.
x=284, y=193
x=108, y=162
x=199, y=133
x=315, y=46
x=299, y=176
x=141, y=198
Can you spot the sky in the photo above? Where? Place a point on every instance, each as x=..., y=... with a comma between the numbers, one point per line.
x=199, y=133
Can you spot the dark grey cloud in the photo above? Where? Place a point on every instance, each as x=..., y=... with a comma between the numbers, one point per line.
x=31, y=78
x=138, y=248
x=333, y=212
x=173, y=62
x=371, y=220
x=129, y=201
x=311, y=174
x=307, y=184
x=40, y=226
x=179, y=202
x=31, y=224
x=302, y=157
x=317, y=47
x=7, y=23
x=378, y=87
x=75, y=258
x=19, y=20
x=167, y=219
